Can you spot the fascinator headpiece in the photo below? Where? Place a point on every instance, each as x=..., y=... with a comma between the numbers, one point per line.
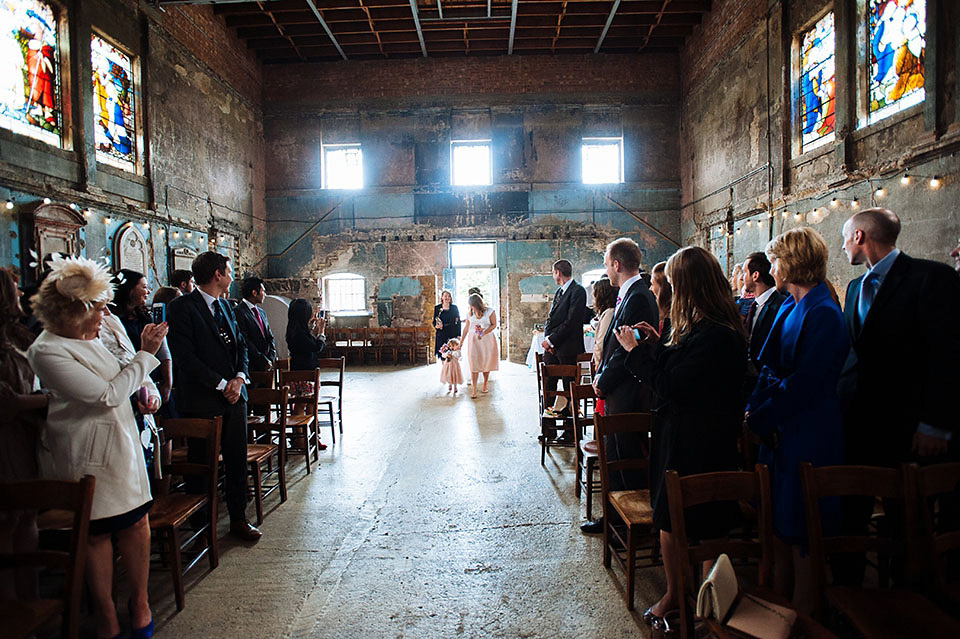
x=80, y=279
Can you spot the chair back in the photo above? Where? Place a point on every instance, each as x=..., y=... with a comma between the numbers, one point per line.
x=621, y=423
x=184, y=429
x=282, y=364
x=76, y=498
x=271, y=403
x=588, y=358
x=550, y=371
x=331, y=371
x=582, y=403
x=857, y=481
x=264, y=379
x=304, y=388
x=938, y=489
x=375, y=336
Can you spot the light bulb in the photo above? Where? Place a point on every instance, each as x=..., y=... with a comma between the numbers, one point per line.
x=881, y=192
x=176, y=234
x=855, y=203
x=834, y=203
x=749, y=222
x=73, y=206
x=786, y=213
x=189, y=235
x=162, y=230
x=905, y=179
x=9, y=204
x=86, y=213
x=46, y=200
x=107, y=220
x=935, y=182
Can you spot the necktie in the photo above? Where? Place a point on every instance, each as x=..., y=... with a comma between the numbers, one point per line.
x=221, y=320
x=751, y=316
x=263, y=329
x=868, y=290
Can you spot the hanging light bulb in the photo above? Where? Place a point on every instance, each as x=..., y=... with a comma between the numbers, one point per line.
x=73, y=206
x=107, y=220
x=86, y=213
x=798, y=216
x=786, y=213
x=47, y=200
x=9, y=204
x=855, y=203
x=881, y=192
x=189, y=235
x=749, y=223
x=162, y=230
x=759, y=224
x=935, y=182
x=834, y=203
x=905, y=180
x=176, y=234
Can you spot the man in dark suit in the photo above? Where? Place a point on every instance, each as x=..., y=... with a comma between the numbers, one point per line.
x=210, y=354
x=261, y=347
x=563, y=333
x=758, y=281
x=623, y=392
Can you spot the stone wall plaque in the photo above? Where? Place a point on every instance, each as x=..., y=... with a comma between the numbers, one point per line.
x=130, y=249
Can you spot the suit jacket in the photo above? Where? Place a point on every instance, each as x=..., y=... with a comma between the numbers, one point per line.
x=261, y=349
x=902, y=366
x=623, y=392
x=564, y=326
x=200, y=356
x=761, y=328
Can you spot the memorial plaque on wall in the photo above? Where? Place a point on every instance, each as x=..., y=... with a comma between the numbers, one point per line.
x=130, y=249
x=48, y=228
x=182, y=258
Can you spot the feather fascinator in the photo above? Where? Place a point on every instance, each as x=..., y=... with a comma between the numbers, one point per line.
x=80, y=279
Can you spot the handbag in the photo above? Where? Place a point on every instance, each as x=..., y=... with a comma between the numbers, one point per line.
x=743, y=614
x=150, y=439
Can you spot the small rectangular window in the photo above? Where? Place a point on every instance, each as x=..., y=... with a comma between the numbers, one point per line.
x=602, y=160
x=342, y=166
x=471, y=162
x=30, y=99
x=817, y=84
x=897, y=45
x=114, y=107
x=473, y=254
x=345, y=292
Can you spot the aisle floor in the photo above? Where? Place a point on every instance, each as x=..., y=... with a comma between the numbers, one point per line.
x=430, y=517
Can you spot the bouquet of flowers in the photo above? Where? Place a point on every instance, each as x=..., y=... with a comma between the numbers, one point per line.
x=478, y=330
x=443, y=351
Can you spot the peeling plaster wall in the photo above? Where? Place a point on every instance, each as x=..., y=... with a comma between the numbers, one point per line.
x=740, y=157
x=535, y=110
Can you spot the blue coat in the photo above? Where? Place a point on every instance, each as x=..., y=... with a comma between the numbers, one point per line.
x=794, y=407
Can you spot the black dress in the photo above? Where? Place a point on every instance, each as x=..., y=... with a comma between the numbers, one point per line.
x=697, y=416
x=451, y=325
x=303, y=347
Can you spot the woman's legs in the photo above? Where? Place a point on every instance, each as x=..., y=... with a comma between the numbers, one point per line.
x=100, y=581
x=486, y=378
x=670, y=600
x=134, y=546
x=473, y=389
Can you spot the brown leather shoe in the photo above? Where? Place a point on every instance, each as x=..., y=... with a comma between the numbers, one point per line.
x=245, y=530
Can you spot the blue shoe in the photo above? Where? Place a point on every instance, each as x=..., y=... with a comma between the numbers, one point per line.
x=142, y=633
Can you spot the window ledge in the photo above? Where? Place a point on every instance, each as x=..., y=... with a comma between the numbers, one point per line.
x=893, y=120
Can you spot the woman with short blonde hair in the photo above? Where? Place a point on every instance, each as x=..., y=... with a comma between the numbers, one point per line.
x=802, y=255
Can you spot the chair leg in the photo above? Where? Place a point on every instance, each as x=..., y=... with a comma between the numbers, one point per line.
x=589, y=488
x=631, y=564
x=306, y=447
x=607, y=555
x=316, y=437
x=176, y=567
x=282, y=472
x=213, y=551
x=340, y=412
x=258, y=491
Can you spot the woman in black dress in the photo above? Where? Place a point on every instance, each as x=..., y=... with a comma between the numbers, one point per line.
x=446, y=319
x=697, y=377
x=305, y=339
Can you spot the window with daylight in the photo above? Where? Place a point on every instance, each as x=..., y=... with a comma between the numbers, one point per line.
x=342, y=166
x=30, y=99
x=602, y=160
x=114, y=108
x=473, y=254
x=471, y=162
x=344, y=292
x=897, y=33
x=817, y=85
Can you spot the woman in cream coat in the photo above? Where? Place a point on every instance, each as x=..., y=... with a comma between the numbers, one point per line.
x=90, y=428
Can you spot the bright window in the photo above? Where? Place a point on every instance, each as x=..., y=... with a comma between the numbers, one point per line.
x=342, y=166
x=471, y=162
x=344, y=292
x=602, y=160
x=817, y=84
x=114, y=108
x=588, y=279
x=897, y=44
x=30, y=100
x=473, y=254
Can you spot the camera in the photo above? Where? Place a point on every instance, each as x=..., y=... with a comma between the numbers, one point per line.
x=158, y=313
x=323, y=313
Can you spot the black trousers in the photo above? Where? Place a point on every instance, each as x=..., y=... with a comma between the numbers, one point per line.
x=233, y=447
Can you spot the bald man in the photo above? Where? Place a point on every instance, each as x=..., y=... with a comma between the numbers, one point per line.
x=901, y=376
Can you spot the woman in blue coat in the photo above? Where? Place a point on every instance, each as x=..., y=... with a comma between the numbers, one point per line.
x=794, y=407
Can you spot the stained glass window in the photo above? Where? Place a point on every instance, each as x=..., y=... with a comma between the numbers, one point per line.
x=113, y=105
x=29, y=70
x=817, y=84
x=897, y=43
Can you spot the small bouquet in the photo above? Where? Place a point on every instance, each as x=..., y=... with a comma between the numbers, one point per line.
x=478, y=330
x=443, y=351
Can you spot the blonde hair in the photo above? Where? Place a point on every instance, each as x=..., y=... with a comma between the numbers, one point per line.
x=801, y=256
x=58, y=313
x=71, y=291
x=700, y=292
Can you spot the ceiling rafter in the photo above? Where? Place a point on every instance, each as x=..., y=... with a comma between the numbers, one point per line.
x=656, y=23
x=563, y=13
x=280, y=29
x=606, y=27
x=326, y=28
x=416, y=21
x=513, y=25
x=372, y=28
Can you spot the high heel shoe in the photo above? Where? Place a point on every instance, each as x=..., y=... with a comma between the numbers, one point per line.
x=139, y=633
x=649, y=618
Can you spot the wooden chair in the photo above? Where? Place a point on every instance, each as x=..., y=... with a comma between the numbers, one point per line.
x=872, y=612
x=269, y=404
x=538, y=360
x=582, y=402
x=331, y=400
x=282, y=364
x=388, y=342
x=938, y=487
x=550, y=425
x=752, y=492
x=406, y=343
x=357, y=343
x=421, y=344
x=374, y=344
x=301, y=425
x=263, y=379
x=22, y=619
x=627, y=514
x=170, y=511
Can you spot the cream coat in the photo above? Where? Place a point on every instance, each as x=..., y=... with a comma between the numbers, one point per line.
x=90, y=427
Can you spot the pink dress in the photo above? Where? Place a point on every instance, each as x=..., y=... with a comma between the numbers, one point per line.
x=450, y=371
x=483, y=354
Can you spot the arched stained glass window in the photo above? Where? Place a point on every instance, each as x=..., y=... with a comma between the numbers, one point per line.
x=817, y=84
x=30, y=101
x=897, y=44
x=113, y=105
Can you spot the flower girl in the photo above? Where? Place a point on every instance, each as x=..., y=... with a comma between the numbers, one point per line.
x=450, y=372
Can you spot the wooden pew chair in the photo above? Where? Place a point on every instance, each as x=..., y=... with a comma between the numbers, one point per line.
x=873, y=612
x=282, y=364
x=551, y=425
x=938, y=487
x=263, y=379
x=583, y=401
x=406, y=343
x=357, y=343
x=302, y=429
x=330, y=397
x=628, y=533
x=538, y=360
x=388, y=343
x=173, y=510
x=20, y=619
x=374, y=350
x=267, y=440
x=421, y=344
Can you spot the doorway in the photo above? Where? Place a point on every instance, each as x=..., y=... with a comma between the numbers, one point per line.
x=474, y=264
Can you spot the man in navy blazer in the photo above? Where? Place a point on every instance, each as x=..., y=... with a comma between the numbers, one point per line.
x=563, y=333
x=261, y=346
x=622, y=392
x=210, y=354
x=899, y=380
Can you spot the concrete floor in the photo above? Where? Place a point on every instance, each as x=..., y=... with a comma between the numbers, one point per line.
x=431, y=517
